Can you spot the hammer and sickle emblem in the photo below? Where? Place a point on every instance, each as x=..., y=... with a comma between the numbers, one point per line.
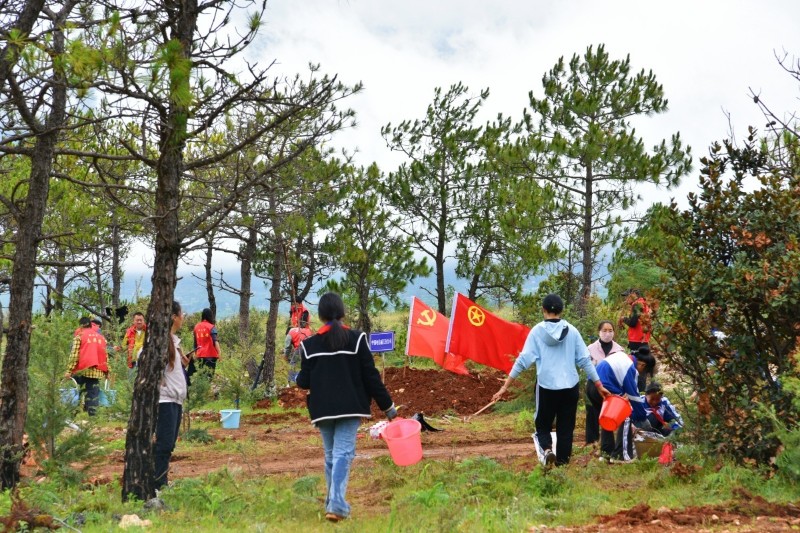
x=426, y=318
x=476, y=316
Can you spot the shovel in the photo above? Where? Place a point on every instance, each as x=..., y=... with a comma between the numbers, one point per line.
x=479, y=411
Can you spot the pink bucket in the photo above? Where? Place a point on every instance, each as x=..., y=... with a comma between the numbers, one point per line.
x=614, y=412
x=403, y=438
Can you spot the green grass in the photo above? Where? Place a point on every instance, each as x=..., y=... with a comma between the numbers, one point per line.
x=475, y=494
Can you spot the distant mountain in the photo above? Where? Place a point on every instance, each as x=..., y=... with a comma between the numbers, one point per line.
x=191, y=291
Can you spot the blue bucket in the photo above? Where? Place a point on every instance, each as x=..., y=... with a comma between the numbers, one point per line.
x=107, y=397
x=70, y=396
x=230, y=418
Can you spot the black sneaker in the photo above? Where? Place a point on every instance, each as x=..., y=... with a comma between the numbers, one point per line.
x=549, y=459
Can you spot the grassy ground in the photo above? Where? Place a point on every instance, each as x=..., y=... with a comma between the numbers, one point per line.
x=472, y=494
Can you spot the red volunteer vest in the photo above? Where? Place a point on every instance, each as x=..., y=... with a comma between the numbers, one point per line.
x=92, y=351
x=298, y=335
x=202, y=336
x=296, y=313
x=638, y=333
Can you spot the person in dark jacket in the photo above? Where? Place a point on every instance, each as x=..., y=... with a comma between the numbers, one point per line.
x=339, y=372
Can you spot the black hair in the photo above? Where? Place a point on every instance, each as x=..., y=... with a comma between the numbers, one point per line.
x=603, y=323
x=304, y=316
x=85, y=322
x=97, y=321
x=653, y=386
x=298, y=299
x=553, y=303
x=331, y=311
x=207, y=315
x=648, y=359
x=171, y=352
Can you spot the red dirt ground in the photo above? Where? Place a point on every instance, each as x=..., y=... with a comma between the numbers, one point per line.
x=431, y=392
x=749, y=513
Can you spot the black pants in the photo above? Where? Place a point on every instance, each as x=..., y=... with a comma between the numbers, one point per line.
x=607, y=445
x=559, y=406
x=91, y=386
x=207, y=362
x=169, y=421
x=592, y=416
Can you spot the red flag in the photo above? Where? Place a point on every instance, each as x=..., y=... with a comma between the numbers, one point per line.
x=427, y=333
x=477, y=334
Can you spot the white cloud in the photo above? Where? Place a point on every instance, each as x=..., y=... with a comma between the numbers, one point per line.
x=706, y=54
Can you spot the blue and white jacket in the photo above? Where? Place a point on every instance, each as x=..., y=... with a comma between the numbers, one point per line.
x=619, y=375
x=666, y=411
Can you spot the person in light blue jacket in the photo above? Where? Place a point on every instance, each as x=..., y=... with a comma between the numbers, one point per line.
x=557, y=349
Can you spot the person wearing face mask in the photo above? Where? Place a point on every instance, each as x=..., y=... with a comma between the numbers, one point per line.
x=598, y=351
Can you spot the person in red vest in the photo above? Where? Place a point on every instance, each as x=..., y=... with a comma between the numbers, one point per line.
x=639, y=320
x=134, y=338
x=296, y=311
x=88, y=363
x=205, y=341
x=292, y=346
x=639, y=326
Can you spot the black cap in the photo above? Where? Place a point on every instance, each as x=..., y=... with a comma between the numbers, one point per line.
x=553, y=303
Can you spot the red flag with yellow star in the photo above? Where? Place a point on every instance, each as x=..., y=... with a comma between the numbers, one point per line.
x=480, y=336
x=427, y=333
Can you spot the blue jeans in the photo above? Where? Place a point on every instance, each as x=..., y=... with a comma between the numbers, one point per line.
x=339, y=442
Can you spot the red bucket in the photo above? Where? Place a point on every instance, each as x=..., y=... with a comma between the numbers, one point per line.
x=403, y=438
x=614, y=412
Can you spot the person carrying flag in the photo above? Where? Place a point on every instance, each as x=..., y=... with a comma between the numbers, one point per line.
x=557, y=349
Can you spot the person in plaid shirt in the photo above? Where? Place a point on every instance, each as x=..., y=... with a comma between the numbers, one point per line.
x=88, y=363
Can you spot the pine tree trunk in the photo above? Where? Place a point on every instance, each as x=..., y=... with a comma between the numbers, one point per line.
x=364, y=322
x=212, y=300
x=587, y=262
x=116, y=268
x=138, y=475
x=246, y=276
x=14, y=380
x=61, y=280
x=268, y=372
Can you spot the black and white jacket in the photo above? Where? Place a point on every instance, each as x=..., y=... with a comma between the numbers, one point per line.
x=341, y=384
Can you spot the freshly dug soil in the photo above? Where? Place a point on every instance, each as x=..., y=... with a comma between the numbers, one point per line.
x=427, y=391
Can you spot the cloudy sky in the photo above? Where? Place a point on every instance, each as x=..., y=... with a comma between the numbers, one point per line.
x=707, y=55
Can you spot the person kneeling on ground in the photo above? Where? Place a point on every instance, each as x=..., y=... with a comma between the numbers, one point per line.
x=619, y=373
x=661, y=414
x=557, y=349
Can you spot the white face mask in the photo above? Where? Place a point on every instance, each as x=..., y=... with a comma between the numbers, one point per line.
x=606, y=336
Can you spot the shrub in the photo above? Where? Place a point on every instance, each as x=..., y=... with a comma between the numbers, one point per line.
x=732, y=268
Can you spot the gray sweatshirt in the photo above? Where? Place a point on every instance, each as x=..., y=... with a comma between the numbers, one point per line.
x=173, y=382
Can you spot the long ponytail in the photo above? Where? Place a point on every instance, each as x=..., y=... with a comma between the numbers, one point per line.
x=171, y=351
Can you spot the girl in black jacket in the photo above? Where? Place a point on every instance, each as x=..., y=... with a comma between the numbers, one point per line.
x=338, y=370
